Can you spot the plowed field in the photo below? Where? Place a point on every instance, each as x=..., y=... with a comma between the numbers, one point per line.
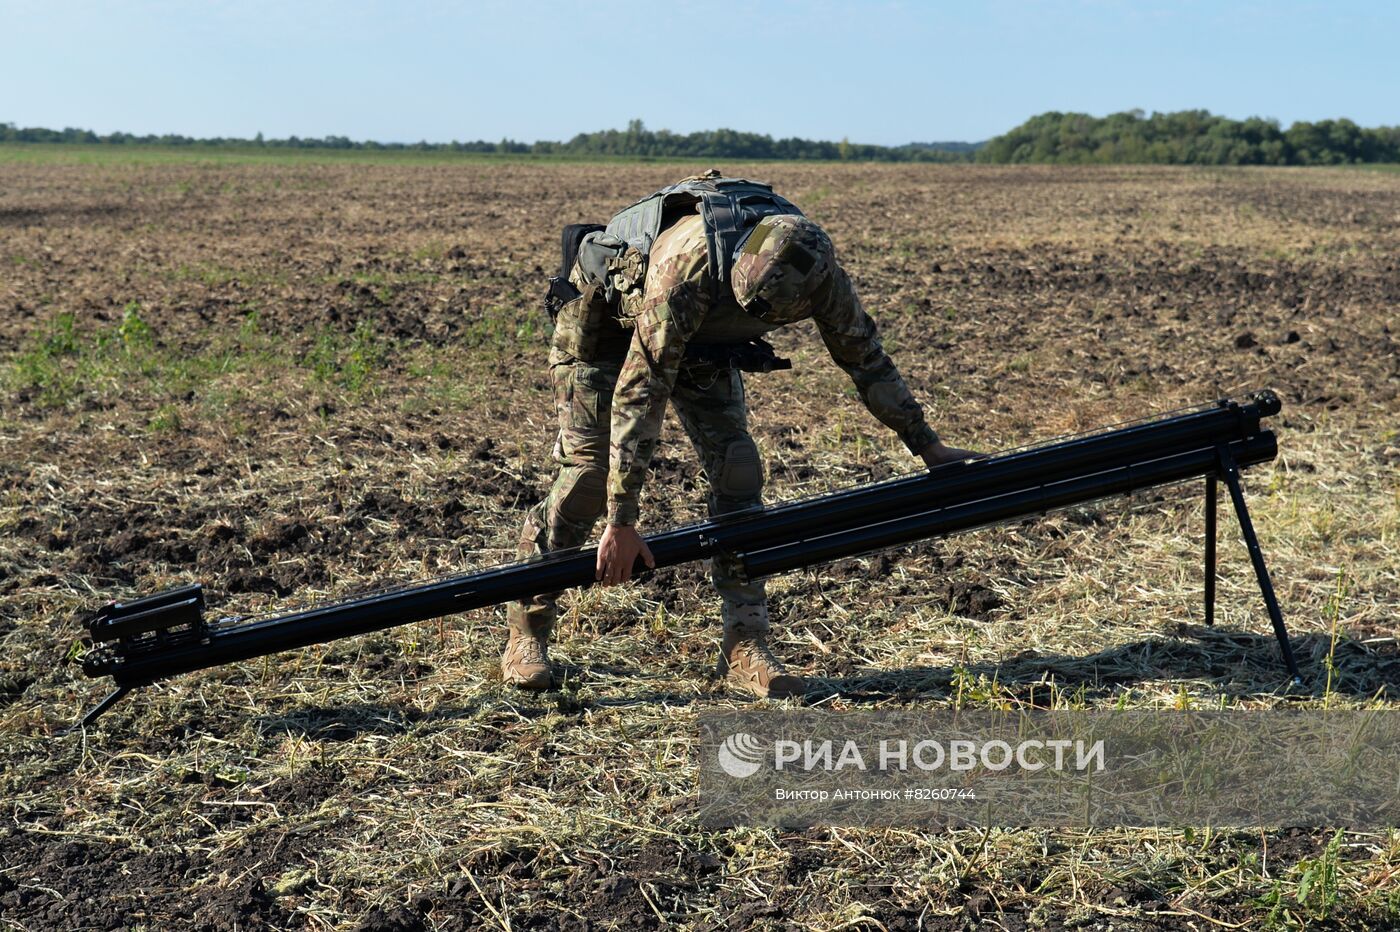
x=294, y=378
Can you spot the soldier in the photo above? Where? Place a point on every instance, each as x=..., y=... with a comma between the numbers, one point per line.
x=672, y=299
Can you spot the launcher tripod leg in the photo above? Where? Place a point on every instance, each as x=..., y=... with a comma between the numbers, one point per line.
x=1231, y=474
x=1211, y=495
x=112, y=699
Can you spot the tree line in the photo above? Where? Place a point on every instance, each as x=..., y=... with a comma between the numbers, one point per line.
x=636, y=141
x=1188, y=137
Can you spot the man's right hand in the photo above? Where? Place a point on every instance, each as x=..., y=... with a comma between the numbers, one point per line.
x=936, y=454
x=618, y=551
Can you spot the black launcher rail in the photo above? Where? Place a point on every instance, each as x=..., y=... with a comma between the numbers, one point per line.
x=141, y=641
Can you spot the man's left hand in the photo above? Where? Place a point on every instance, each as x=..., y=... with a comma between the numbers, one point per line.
x=938, y=453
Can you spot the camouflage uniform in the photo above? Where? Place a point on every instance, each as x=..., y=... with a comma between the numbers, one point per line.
x=613, y=376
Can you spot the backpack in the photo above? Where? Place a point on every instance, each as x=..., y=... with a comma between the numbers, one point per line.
x=731, y=208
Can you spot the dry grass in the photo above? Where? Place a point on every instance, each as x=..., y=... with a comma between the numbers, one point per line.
x=310, y=379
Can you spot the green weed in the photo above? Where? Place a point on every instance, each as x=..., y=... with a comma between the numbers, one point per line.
x=348, y=362
x=135, y=333
x=1332, y=613
x=61, y=364
x=1318, y=889
x=432, y=252
x=166, y=419
x=49, y=364
x=217, y=276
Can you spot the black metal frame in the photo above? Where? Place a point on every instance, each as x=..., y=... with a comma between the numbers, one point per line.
x=141, y=641
x=1228, y=469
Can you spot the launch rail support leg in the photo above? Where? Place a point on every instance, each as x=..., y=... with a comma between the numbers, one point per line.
x=1211, y=495
x=1231, y=474
x=92, y=715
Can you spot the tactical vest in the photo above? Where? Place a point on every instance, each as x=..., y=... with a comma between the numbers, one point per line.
x=731, y=207
x=614, y=258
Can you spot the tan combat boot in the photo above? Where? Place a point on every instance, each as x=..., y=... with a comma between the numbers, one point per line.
x=745, y=660
x=525, y=661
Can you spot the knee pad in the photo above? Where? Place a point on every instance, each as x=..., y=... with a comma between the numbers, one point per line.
x=586, y=496
x=583, y=448
x=741, y=471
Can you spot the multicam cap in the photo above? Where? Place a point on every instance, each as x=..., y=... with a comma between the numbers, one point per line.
x=783, y=271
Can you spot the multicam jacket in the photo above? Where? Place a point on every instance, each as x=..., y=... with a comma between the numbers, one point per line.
x=676, y=304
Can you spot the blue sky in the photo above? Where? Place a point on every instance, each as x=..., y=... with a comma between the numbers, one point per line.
x=879, y=72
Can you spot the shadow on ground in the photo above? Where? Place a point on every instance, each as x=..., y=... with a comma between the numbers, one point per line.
x=1244, y=665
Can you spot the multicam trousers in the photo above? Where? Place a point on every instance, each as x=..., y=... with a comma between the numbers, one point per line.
x=710, y=404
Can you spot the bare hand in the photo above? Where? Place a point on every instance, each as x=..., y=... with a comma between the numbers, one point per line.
x=936, y=454
x=618, y=551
